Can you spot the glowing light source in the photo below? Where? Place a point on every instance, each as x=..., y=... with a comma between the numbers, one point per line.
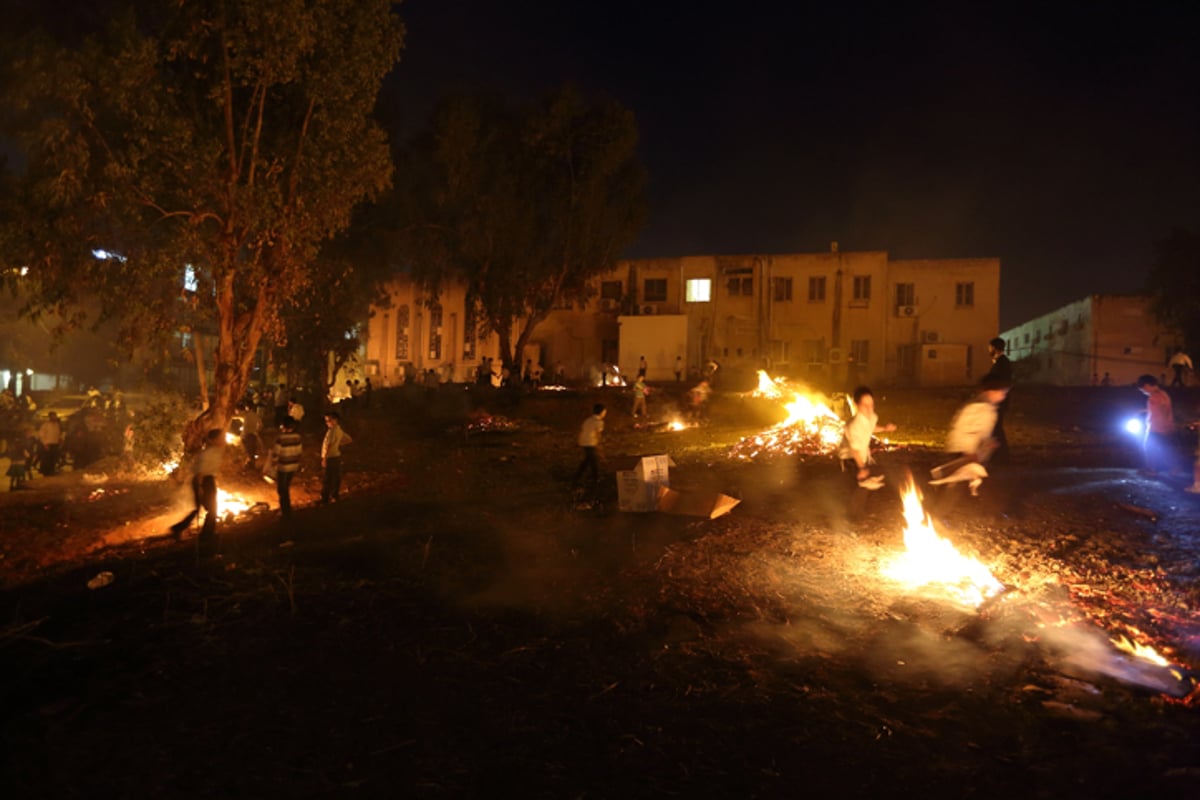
x=929, y=561
x=1142, y=651
x=1135, y=426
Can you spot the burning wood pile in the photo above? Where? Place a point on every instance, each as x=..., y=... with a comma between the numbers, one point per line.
x=811, y=427
x=483, y=422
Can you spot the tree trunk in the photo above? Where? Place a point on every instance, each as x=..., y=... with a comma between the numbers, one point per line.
x=198, y=346
x=238, y=337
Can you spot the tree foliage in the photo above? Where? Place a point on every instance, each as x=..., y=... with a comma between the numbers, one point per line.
x=236, y=137
x=1174, y=283
x=525, y=203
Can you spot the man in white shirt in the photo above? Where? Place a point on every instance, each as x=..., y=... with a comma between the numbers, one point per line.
x=1179, y=362
x=331, y=457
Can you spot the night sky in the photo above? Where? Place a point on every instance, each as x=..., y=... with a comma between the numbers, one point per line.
x=1062, y=138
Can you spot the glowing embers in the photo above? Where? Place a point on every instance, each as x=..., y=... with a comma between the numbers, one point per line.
x=232, y=505
x=930, y=562
x=810, y=427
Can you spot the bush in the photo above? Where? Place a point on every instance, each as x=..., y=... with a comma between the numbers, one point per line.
x=157, y=432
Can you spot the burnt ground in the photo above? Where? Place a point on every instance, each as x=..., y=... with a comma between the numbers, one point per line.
x=458, y=626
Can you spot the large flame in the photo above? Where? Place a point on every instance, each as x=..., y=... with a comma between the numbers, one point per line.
x=931, y=561
x=228, y=503
x=810, y=425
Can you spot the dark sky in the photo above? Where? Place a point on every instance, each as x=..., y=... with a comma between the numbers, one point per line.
x=1062, y=138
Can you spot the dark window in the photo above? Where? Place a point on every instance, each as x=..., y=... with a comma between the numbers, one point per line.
x=435, y=331
x=783, y=290
x=862, y=288
x=964, y=294
x=860, y=350
x=655, y=290
x=402, y=333
x=740, y=286
x=610, y=290
x=906, y=294
x=816, y=290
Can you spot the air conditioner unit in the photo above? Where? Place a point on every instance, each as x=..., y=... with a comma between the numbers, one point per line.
x=608, y=304
x=906, y=311
x=650, y=309
x=835, y=355
x=930, y=337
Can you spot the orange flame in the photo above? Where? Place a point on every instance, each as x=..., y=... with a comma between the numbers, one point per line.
x=1142, y=651
x=931, y=561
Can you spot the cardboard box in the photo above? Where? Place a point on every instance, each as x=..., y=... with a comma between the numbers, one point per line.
x=635, y=494
x=651, y=469
x=709, y=505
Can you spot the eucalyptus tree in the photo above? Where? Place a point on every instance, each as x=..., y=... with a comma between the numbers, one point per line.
x=523, y=202
x=230, y=139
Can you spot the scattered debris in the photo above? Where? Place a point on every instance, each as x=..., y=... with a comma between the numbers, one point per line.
x=101, y=580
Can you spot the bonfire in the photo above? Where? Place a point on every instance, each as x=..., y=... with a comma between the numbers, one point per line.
x=811, y=427
x=930, y=562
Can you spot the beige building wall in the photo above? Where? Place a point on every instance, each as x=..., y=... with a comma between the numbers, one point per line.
x=834, y=319
x=1080, y=343
x=408, y=337
x=942, y=313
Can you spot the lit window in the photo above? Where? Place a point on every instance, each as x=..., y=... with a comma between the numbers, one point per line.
x=190, y=283
x=699, y=290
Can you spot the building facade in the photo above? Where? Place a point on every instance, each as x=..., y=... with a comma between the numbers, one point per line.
x=1081, y=343
x=835, y=318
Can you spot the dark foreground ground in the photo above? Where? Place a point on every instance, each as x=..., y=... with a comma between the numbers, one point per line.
x=457, y=626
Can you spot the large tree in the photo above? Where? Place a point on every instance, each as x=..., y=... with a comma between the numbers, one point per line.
x=233, y=136
x=525, y=202
x=1174, y=283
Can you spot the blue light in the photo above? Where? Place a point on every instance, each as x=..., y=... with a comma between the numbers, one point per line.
x=1134, y=426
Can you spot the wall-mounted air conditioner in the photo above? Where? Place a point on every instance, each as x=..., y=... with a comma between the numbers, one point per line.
x=608, y=304
x=930, y=337
x=650, y=309
x=835, y=355
x=906, y=311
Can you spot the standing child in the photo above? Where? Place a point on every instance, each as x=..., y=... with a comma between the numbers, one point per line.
x=285, y=455
x=21, y=452
x=639, y=397
x=589, y=440
x=331, y=457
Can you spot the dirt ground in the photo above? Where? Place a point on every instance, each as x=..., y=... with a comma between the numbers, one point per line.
x=458, y=625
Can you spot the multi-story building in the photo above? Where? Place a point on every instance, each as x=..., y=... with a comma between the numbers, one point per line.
x=836, y=318
x=1082, y=343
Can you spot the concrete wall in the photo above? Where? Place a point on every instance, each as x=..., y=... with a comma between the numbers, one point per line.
x=1076, y=345
x=937, y=318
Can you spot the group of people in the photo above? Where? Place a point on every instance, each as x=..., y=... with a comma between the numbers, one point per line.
x=101, y=426
x=976, y=437
x=281, y=463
